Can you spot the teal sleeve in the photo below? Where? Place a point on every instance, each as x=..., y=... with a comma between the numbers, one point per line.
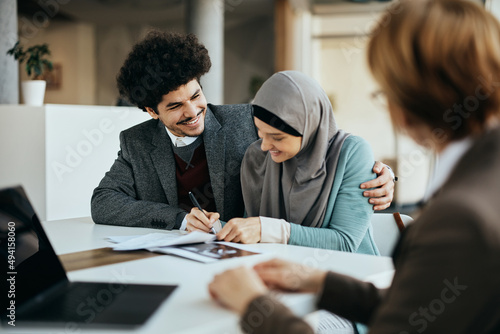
x=348, y=213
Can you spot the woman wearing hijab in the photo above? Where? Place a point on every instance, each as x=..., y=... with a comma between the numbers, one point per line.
x=438, y=64
x=301, y=180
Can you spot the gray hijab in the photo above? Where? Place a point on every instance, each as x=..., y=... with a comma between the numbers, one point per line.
x=298, y=189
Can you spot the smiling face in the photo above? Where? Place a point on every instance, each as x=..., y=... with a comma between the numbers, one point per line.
x=183, y=111
x=280, y=145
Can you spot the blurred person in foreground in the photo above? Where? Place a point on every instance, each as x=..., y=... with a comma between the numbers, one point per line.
x=438, y=65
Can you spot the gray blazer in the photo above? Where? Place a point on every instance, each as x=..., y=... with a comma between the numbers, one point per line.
x=447, y=264
x=140, y=189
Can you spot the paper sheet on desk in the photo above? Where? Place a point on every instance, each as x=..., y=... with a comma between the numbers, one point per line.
x=122, y=238
x=154, y=240
x=246, y=247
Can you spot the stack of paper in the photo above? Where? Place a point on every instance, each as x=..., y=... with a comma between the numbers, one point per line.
x=196, y=245
x=154, y=240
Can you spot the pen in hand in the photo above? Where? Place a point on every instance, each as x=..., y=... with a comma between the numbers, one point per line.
x=195, y=203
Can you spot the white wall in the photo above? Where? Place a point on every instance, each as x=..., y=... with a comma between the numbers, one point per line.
x=494, y=7
x=22, y=146
x=59, y=153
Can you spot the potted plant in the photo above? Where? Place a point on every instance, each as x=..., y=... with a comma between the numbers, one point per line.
x=33, y=90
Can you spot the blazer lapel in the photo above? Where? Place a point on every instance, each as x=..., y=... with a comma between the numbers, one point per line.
x=164, y=163
x=214, y=141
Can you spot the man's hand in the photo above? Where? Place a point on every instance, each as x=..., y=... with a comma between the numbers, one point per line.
x=244, y=230
x=197, y=220
x=289, y=276
x=381, y=197
x=236, y=288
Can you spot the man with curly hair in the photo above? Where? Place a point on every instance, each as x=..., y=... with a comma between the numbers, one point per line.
x=188, y=146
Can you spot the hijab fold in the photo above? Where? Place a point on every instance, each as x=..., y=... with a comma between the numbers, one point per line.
x=298, y=189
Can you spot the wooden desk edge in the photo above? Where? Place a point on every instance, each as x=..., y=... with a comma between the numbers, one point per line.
x=101, y=257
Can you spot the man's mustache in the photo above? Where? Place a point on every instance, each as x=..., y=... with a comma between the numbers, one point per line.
x=190, y=118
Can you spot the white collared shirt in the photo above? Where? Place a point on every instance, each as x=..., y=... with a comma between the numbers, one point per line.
x=445, y=163
x=180, y=141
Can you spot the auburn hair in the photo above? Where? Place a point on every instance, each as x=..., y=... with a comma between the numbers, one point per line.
x=439, y=61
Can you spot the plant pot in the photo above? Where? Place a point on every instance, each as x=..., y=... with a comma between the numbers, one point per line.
x=33, y=92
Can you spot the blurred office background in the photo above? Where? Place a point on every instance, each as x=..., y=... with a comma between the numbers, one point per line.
x=248, y=40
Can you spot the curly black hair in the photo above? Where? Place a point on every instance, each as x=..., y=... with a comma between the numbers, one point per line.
x=159, y=64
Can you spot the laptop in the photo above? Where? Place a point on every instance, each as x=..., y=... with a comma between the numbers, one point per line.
x=38, y=291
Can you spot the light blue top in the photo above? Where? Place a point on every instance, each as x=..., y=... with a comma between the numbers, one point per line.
x=347, y=224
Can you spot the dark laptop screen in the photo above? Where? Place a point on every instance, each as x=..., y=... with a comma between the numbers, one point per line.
x=29, y=264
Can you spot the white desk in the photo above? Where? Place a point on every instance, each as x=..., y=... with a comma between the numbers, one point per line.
x=190, y=309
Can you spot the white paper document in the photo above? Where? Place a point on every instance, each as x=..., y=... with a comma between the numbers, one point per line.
x=197, y=246
x=155, y=240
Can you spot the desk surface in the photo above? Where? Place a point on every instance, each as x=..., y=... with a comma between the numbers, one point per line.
x=190, y=309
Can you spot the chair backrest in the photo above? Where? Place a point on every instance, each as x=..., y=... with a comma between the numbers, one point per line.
x=386, y=232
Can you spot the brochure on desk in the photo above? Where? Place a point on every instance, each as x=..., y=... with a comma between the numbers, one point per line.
x=197, y=246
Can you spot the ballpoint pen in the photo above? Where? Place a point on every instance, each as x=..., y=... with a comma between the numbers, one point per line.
x=195, y=203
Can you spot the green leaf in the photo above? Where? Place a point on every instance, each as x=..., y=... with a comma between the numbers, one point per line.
x=34, y=57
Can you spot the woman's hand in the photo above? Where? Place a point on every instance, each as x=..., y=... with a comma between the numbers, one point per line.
x=244, y=230
x=197, y=220
x=236, y=288
x=381, y=197
x=284, y=275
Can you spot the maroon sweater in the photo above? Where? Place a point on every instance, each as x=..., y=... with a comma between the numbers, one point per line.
x=194, y=178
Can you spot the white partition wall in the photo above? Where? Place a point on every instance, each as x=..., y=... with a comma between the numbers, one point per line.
x=59, y=153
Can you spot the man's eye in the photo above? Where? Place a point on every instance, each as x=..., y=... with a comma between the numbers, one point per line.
x=196, y=96
x=174, y=107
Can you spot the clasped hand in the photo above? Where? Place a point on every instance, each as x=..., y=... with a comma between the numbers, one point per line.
x=236, y=288
x=383, y=187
